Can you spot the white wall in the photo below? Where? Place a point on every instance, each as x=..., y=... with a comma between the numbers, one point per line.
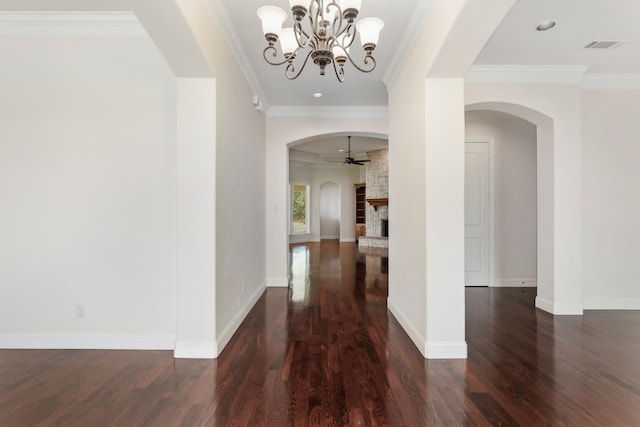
x=196, y=212
x=610, y=199
x=426, y=154
x=239, y=183
x=88, y=183
x=513, y=196
x=96, y=120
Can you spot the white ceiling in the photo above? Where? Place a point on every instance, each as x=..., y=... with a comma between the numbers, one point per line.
x=65, y=5
x=358, y=89
x=330, y=147
x=515, y=42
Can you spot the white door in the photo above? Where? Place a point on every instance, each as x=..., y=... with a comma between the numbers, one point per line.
x=477, y=215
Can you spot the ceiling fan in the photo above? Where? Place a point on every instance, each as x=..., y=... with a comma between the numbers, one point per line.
x=350, y=160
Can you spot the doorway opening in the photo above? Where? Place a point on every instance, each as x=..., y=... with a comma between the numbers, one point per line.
x=500, y=200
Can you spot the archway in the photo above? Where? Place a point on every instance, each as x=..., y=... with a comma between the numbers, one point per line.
x=500, y=200
x=329, y=208
x=545, y=182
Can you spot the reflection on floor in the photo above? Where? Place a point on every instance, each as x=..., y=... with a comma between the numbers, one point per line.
x=326, y=352
x=338, y=266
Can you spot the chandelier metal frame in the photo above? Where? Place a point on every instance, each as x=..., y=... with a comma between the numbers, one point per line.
x=327, y=38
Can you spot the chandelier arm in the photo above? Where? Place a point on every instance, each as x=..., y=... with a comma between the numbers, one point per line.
x=348, y=35
x=311, y=3
x=337, y=20
x=290, y=71
x=316, y=13
x=298, y=31
x=339, y=74
x=323, y=41
x=274, y=54
x=366, y=61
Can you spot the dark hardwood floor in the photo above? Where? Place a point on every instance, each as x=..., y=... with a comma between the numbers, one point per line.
x=327, y=353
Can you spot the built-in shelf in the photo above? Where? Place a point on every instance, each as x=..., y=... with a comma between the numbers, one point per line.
x=376, y=203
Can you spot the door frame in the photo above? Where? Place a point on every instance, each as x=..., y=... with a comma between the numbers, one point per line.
x=492, y=192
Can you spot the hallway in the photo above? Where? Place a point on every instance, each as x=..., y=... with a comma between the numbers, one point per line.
x=326, y=352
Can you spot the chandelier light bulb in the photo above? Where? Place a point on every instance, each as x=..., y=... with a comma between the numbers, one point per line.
x=369, y=29
x=272, y=18
x=322, y=33
x=350, y=8
x=288, y=42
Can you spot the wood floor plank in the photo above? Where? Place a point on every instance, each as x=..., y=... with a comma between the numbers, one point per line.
x=327, y=352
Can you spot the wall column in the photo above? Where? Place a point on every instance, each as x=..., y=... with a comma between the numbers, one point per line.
x=196, y=233
x=444, y=218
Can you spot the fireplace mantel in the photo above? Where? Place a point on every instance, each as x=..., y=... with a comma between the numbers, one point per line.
x=376, y=203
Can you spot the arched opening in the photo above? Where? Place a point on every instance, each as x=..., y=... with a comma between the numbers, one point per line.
x=329, y=208
x=320, y=160
x=500, y=200
x=544, y=183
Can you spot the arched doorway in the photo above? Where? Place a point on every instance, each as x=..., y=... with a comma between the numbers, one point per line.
x=558, y=247
x=500, y=200
x=329, y=211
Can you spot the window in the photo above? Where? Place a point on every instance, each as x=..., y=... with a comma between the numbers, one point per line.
x=300, y=208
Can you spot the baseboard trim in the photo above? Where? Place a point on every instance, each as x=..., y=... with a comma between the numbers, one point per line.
x=303, y=238
x=225, y=336
x=331, y=237
x=612, y=304
x=514, y=283
x=559, y=309
x=446, y=350
x=277, y=283
x=195, y=351
x=416, y=337
x=78, y=342
x=347, y=240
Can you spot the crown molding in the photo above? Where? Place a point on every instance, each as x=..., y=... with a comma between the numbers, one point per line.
x=70, y=24
x=319, y=164
x=230, y=35
x=545, y=74
x=413, y=28
x=354, y=112
x=611, y=81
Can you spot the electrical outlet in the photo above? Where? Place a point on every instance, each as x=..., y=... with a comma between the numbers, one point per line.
x=80, y=312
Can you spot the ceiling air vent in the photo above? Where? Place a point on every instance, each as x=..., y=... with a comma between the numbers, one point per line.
x=603, y=44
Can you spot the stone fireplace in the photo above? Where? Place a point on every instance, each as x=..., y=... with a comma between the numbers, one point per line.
x=377, y=197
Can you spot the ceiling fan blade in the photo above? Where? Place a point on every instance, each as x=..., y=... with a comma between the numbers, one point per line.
x=350, y=160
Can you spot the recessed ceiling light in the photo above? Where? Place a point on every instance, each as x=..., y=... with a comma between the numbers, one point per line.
x=341, y=150
x=317, y=95
x=546, y=25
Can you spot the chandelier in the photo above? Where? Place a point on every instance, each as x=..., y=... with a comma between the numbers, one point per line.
x=326, y=39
